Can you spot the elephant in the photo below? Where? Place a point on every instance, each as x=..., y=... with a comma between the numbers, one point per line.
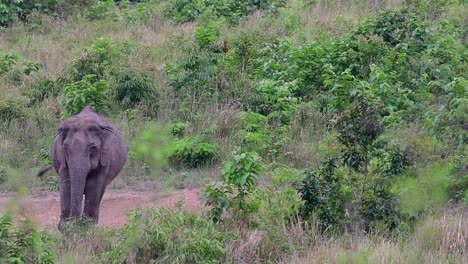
x=87, y=153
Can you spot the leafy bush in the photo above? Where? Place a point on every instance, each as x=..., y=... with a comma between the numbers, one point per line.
x=191, y=152
x=13, y=109
x=206, y=35
x=458, y=188
x=240, y=175
x=133, y=11
x=11, y=9
x=274, y=99
x=132, y=88
x=100, y=58
x=31, y=67
x=423, y=189
x=21, y=243
x=178, y=128
x=195, y=78
x=42, y=89
x=88, y=91
x=7, y=60
x=358, y=128
x=100, y=9
x=252, y=122
x=325, y=196
x=163, y=236
x=3, y=174
x=181, y=11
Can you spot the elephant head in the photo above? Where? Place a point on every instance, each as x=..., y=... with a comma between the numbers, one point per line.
x=81, y=148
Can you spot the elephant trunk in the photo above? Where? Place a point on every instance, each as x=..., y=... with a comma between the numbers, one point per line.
x=78, y=172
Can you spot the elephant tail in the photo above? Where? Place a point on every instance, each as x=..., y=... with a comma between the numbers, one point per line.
x=43, y=171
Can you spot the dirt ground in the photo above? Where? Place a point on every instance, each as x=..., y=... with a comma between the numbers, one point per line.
x=44, y=207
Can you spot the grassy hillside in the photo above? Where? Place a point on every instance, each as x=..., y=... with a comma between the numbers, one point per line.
x=318, y=129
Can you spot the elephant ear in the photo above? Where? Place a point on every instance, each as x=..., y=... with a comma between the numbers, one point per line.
x=57, y=147
x=108, y=137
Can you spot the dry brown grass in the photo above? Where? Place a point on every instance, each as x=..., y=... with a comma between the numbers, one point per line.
x=437, y=240
x=338, y=16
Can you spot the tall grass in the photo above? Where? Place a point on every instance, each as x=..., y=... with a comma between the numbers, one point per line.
x=441, y=239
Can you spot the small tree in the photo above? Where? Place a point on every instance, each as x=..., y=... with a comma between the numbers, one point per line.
x=87, y=91
x=240, y=176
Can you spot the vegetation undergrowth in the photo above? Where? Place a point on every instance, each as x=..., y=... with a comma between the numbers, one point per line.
x=329, y=130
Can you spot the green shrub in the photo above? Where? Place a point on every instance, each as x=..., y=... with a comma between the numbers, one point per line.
x=11, y=9
x=7, y=61
x=423, y=189
x=325, y=197
x=277, y=203
x=206, y=35
x=13, y=109
x=3, y=174
x=358, y=128
x=458, y=188
x=21, y=243
x=42, y=89
x=100, y=9
x=257, y=141
x=132, y=88
x=253, y=122
x=181, y=11
x=88, y=91
x=164, y=236
x=100, y=58
x=195, y=78
x=31, y=67
x=178, y=129
x=239, y=178
x=191, y=152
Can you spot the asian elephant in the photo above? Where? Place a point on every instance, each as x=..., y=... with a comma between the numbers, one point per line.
x=87, y=153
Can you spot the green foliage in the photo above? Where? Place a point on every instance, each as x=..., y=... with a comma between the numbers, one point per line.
x=100, y=9
x=195, y=78
x=21, y=243
x=253, y=122
x=422, y=190
x=277, y=203
x=178, y=129
x=31, y=67
x=206, y=35
x=11, y=9
x=3, y=174
x=13, y=109
x=42, y=89
x=325, y=196
x=458, y=188
x=190, y=152
x=165, y=236
x=88, y=91
x=152, y=144
x=239, y=178
x=99, y=59
x=358, y=128
x=7, y=60
x=132, y=88
x=274, y=99
x=181, y=11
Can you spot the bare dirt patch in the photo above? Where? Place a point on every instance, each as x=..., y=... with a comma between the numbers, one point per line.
x=44, y=207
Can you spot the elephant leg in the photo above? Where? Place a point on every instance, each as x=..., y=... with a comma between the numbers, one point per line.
x=93, y=194
x=65, y=195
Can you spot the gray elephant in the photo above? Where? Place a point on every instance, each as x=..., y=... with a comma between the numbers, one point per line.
x=87, y=153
